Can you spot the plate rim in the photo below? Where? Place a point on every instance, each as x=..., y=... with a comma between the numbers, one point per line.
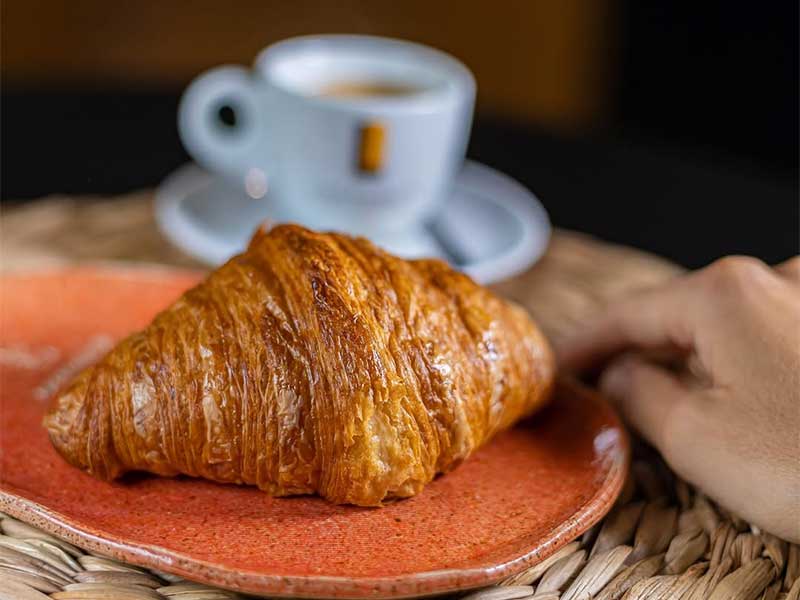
x=419, y=584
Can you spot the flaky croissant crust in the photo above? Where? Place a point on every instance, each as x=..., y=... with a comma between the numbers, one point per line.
x=311, y=363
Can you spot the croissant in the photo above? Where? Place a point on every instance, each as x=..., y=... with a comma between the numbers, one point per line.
x=311, y=363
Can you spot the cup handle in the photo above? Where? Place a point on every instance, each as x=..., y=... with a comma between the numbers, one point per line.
x=219, y=122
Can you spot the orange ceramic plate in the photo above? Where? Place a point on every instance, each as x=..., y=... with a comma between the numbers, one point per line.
x=513, y=503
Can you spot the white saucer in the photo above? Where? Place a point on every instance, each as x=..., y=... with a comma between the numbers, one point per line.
x=491, y=227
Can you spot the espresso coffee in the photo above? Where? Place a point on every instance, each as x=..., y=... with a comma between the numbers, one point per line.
x=365, y=89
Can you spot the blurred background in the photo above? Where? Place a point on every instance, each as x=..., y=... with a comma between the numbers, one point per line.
x=670, y=126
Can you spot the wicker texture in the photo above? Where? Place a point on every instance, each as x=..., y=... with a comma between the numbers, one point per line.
x=663, y=539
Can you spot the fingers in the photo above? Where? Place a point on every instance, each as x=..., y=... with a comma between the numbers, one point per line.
x=647, y=397
x=654, y=320
x=676, y=316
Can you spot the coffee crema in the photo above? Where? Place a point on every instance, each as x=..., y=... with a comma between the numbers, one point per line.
x=366, y=89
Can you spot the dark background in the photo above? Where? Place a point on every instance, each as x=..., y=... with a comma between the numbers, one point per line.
x=690, y=149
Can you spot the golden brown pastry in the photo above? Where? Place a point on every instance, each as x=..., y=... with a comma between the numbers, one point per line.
x=311, y=363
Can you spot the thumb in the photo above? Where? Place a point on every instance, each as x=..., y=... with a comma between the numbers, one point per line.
x=647, y=397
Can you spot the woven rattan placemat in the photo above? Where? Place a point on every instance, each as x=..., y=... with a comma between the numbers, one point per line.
x=663, y=539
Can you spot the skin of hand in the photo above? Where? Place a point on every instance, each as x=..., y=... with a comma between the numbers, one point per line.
x=728, y=420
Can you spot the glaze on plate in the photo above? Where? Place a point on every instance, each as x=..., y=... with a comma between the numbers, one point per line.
x=513, y=503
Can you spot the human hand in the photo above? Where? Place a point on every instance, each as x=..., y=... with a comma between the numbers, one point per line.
x=728, y=420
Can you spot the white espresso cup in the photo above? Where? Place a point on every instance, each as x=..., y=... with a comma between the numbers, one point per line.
x=354, y=133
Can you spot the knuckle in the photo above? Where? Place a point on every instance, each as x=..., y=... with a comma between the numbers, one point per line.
x=737, y=273
x=792, y=266
x=793, y=262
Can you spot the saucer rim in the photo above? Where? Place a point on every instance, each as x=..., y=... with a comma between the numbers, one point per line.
x=199, y=240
